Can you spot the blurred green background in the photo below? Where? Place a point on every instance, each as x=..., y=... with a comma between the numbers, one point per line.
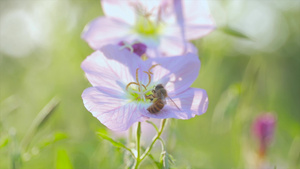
x=41, y=52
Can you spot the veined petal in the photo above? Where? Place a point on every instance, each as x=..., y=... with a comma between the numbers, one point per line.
x=126, y=10
x=111, y=67
x=198, y=21
x=191, y=102
x=104, y=30
x=172, y=45
x=175, y=73
x=111, y=108
x=119, y=9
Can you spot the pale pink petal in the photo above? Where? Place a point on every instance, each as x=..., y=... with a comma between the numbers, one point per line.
x=127, y=10
x=119, y=9
x=191, y=102
x=111, y=67
x=175, y=73
x=110, y=108
x=172, y=46
x=197, y=20
x=104, y=30
x=191, y=48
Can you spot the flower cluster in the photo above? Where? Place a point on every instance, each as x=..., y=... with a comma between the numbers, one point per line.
x=131, y=78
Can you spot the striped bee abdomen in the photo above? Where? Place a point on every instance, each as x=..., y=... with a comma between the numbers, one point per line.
x=156, y=106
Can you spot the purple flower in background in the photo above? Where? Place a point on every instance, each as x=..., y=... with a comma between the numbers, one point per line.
x=263, y=129
x=164, y=26
x=122, y=84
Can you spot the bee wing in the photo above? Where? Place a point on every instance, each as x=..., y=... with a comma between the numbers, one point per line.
x=163, y=99
x=173, y=103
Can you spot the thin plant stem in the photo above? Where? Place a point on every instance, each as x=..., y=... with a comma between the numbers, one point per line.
x=138, y=145
x=162, y=126
x=130, y=135
x=140, y=158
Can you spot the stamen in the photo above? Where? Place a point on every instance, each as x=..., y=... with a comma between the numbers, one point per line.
x=140, y=92
x=149, y=76
x=144, y=87
x=149, y=70
x=137, y=78
x=137, y=75
x=131, y=84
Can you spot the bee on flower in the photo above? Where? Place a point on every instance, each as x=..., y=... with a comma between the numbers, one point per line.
x=125, y=88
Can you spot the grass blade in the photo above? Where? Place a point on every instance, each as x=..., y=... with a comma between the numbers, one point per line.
x=40, y=119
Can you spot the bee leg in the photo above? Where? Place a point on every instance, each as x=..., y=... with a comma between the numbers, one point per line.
x=154, y=99
x=150, y=96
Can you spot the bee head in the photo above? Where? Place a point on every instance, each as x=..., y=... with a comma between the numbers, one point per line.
x=159, y=86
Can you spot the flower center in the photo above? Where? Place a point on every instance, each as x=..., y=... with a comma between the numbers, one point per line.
x=146, y=26
x=141, y=92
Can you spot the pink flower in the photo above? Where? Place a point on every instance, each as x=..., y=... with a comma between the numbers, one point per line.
x=122, y=84
x=163, y=26
x=263, y=130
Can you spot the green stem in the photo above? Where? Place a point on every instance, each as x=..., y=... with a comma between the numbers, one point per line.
x=138, y=145
x=162, y=126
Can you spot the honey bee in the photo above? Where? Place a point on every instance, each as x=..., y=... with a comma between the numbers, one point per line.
x=159, y=99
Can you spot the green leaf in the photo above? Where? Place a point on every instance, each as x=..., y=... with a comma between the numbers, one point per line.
x=103, y=135
x=52, y=139
x=230, y=31
x=4, y=141
x=158, y=164
x=171, y=159
x=60, y=136
x=165, y=160
x=113, y=142
x=63, y=160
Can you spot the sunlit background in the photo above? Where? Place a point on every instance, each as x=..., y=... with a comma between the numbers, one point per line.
x=249, y=65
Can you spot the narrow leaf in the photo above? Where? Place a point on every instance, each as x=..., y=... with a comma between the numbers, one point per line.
x=171, y=159
x=158, y=165
x=165, y=160
x=230, y=31
x=40, y=119
x=47, y=111
x=63, y=160
x=114, y=143
x=52, y=139
x=4, y=141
